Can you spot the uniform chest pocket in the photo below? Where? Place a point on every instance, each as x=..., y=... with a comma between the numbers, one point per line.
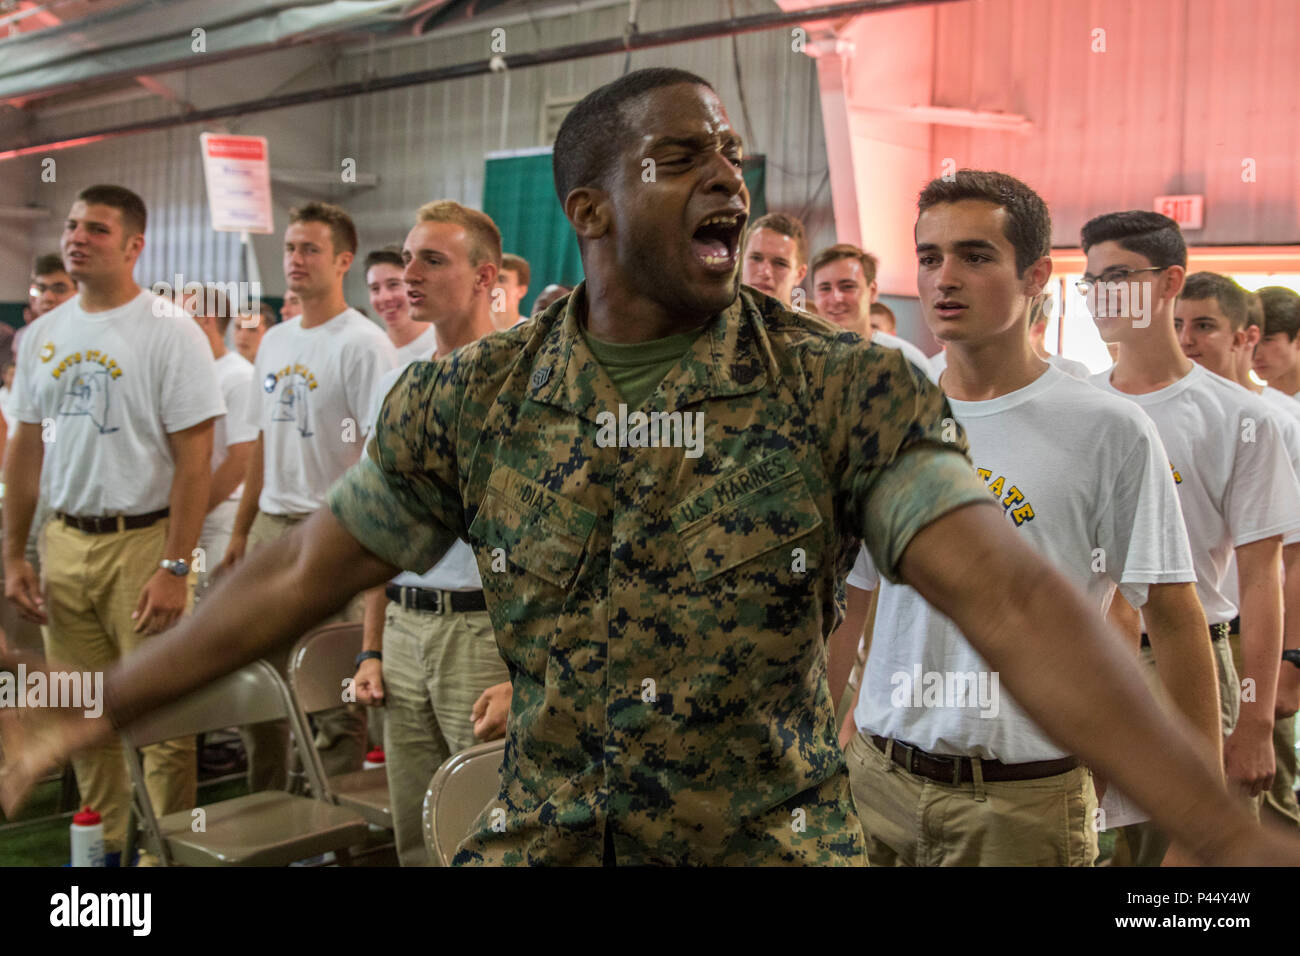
x=744, y=514
x=538, y=530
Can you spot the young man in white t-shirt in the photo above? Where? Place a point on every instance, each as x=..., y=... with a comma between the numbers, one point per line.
x=429, y=655
x=290, y=305
x=117, y=398
x=312, y=399
x=1038, y=319
x=1277, y=356
x=233, y=435
x=411, y=338
x=1083, y=477
x=50, y=287
x=511, y=287
x=883, y=319
x=250, y=330
x=1221, y=306
x=1235, y=482
x=844, y=288
x=775, y=257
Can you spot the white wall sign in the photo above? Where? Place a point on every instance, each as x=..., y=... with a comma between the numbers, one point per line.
x=238, y=173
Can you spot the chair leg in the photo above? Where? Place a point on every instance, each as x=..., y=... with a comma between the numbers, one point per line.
x=298, y=784
x=128, y=849
x=69, y=795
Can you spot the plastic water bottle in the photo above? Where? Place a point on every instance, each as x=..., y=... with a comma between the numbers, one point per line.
x=374, y=761
x=87, y=834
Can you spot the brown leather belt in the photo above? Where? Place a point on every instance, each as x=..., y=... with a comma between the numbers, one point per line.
x=957, y=770
x=1218, y=632
x=110, y=523
x=435, y=601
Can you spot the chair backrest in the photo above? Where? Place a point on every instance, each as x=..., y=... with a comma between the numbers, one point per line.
x=320, y=662
x=460, y=789
x=250, y=695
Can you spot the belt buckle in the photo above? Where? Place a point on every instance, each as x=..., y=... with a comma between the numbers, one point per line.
x=437, y=600
x=406, y=598
x=956, y=765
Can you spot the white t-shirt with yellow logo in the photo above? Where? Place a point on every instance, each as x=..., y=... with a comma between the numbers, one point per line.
x=1083, y=478
x=313, y=399
x=1233, y=471
x=108, y=388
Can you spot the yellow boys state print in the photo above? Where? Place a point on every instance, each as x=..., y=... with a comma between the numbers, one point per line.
x=1012, y=499
x=87, y=378
x=295, y=383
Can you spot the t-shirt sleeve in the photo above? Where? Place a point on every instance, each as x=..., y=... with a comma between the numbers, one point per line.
x=385, y=385
x=190, y=393
x=402, y=499
x=238, y=427
x=367, y=361
x=1290, y=430
x=864, y=576
x=904, y=455
x=256, y=395
x=1141, y=534
x=1263, y=496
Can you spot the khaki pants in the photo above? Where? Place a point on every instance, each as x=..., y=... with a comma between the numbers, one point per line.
x=911, y=820
x=92, y=584
x=340, y=733
x=1280, y=802
x=435, y=667
x=1280, y=799
x=1145, y=843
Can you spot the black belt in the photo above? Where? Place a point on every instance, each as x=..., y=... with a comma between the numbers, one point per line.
x=957, y=770
x=435, y=601
x=111, y=523
x=1218, y=632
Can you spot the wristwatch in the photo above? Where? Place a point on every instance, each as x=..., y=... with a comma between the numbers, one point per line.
x=177, y=567
x=368, y=656
x=1292, y=655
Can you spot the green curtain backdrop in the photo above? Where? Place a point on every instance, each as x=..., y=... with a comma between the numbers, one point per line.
x=11, y=313
x=519, y=195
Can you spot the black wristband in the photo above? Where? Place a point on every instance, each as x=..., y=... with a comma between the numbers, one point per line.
x=1292, y=655
x=368, y=656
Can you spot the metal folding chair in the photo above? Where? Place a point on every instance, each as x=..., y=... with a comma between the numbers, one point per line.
x=465, y=783
x=271, y=828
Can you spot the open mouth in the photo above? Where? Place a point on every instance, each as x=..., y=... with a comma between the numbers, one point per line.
x=716, y=241
x=948, y=309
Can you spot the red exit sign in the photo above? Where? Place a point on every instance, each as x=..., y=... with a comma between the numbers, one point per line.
x=1187, y=211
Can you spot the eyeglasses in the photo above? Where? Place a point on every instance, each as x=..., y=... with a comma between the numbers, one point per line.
x=1085, y=284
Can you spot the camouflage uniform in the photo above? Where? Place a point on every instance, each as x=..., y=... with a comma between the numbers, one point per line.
x=664, y=617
